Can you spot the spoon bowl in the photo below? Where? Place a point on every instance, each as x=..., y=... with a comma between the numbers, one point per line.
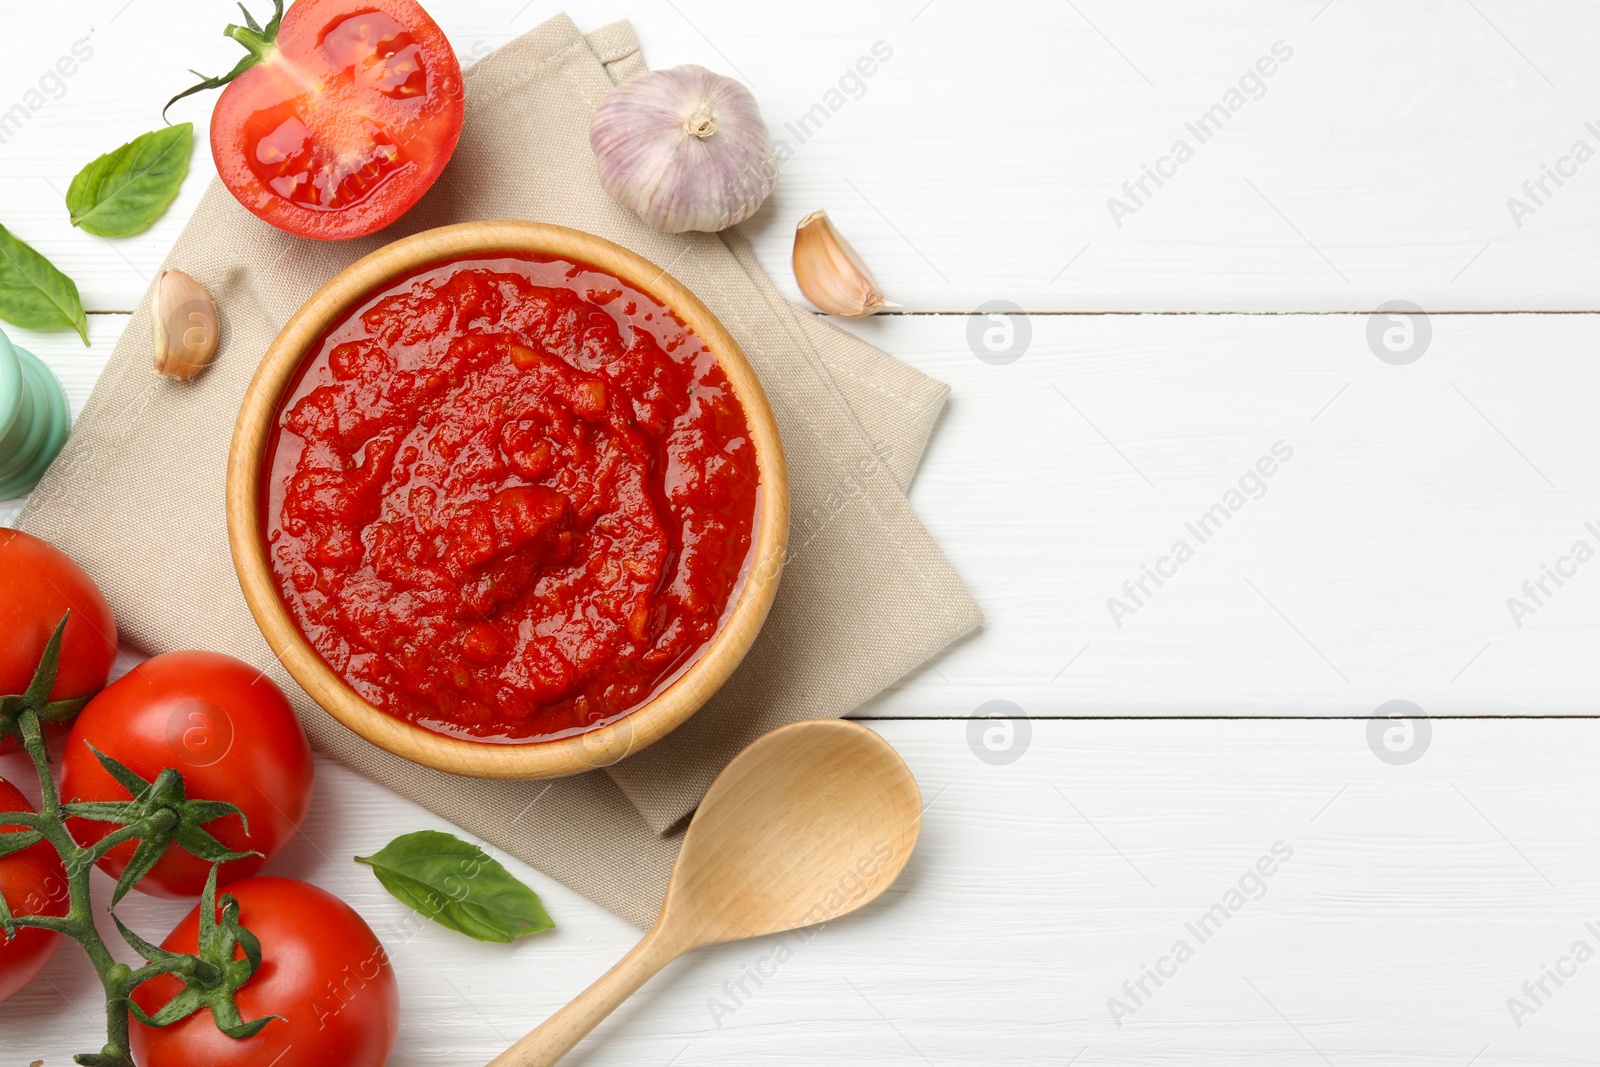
x=808, y=823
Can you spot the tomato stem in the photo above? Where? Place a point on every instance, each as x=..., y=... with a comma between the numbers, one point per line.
x=78, y=923
x=158, y=823
x=260, y=42
x=257, y=42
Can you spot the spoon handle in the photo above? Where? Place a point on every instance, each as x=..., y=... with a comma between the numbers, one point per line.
x=560, y=1033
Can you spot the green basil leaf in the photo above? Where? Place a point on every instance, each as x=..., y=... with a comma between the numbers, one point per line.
x=459, y=886
x=127, y=189
x=33, y=293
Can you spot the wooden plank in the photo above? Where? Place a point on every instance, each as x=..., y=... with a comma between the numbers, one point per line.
x=1415, y=903
x=1380, y=562
x=974, y=166
x=977, y=166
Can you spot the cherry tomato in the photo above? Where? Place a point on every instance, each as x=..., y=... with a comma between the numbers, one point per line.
x=33, y=883
x=323, y=971
x=38, y=585
x=226, y=728
x=347, y=119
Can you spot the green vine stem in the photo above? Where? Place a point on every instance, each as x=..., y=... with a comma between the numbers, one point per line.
x=156, y=814
x=259, y=42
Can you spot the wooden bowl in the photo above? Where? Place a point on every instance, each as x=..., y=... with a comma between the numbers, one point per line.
x=604, y=744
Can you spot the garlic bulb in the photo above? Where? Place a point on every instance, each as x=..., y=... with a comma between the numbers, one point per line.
x=830, y=273
x=183, y=319
x=684, y=148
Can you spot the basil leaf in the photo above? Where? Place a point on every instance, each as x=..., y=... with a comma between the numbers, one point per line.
x=127, y=189
x=459, y=886
x=33, y=293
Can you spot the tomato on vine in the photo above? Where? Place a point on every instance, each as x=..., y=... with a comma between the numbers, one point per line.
x=39, y=585
x=231, y=735
x=46, y=893
x=324, y=975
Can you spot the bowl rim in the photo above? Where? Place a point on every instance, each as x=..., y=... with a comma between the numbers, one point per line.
x=594, y=748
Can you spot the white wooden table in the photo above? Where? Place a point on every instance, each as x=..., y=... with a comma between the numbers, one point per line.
x=1176, y=739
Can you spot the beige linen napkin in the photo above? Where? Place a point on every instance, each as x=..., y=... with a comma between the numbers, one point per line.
x=867, y=596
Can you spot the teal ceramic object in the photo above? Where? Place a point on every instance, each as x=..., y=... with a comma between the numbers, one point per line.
x=34, y=419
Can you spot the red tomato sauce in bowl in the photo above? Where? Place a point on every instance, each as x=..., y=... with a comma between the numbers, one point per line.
x=509, y=498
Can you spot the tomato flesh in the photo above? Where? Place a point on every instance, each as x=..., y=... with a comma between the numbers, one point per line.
x=226, y=728
x=342, y=128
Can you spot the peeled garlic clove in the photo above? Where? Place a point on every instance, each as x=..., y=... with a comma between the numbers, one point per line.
x=829, y=271
x=183, y=319
x=684, y=148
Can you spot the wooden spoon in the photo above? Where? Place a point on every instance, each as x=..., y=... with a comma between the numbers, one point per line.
x=807, y=824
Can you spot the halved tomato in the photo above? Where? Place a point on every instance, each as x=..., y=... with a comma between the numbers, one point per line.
x=342, y=116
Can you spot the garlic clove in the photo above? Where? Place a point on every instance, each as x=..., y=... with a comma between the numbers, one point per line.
x=183, y=320
x=685, y=148
x=830, y=273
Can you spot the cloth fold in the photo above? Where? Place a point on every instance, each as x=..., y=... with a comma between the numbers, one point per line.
x=866, y=596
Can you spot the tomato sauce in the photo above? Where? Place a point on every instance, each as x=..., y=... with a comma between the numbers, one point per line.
x=509, y=499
